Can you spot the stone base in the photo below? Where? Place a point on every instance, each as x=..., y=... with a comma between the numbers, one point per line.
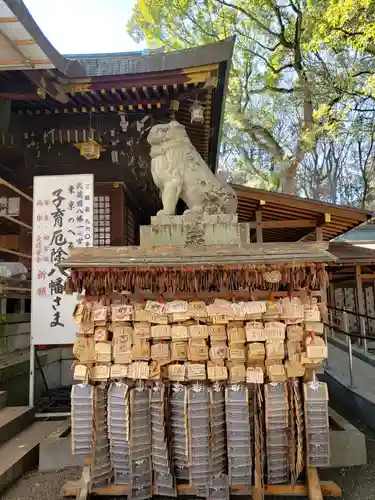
x=192, y=218
x=192, y=230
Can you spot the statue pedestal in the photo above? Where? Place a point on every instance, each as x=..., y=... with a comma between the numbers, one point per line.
x=193, y=229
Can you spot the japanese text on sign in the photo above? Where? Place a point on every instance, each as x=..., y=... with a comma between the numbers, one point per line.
x=63, y=218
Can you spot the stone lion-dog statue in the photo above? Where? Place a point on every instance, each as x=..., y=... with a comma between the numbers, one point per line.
x=179, y=171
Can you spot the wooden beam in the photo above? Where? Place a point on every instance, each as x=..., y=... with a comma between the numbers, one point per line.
x=368, y=276
x=320, y=222
x=256, y=294
x=16, y=221
x=288, y=223
x=328, y=488
x=7, y=184
x=319, y=233
x=286, y=200
x=259, y=230
x=8, y=20
x=24, y=42
x=13, y=252
x=25, y=63
x=313, y=483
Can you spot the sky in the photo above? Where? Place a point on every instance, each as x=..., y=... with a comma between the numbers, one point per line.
x=85, y=26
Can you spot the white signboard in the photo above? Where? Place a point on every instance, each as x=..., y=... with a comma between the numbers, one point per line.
x=62, y=218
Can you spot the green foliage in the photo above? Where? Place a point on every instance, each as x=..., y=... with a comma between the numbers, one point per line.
x=302, y=85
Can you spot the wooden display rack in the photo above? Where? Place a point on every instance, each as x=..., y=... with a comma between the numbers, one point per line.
x=314, y=489
x=112, y=258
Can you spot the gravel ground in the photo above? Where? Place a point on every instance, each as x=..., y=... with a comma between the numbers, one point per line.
x=38, y=486
x=357, y=483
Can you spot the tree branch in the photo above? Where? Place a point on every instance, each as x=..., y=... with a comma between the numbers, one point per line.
x=250, y=16
x=279, y=18
x=274, y=70
x=267, y=88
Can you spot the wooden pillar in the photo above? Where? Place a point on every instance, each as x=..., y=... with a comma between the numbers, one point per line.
x=259, y=229
x=319, y=233
x=360, y=302
x=313, y=484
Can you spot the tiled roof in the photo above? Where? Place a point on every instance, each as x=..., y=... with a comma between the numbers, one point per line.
x=128, y=63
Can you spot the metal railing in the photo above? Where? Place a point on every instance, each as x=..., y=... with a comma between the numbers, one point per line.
x=348, y=335
x=362, y=328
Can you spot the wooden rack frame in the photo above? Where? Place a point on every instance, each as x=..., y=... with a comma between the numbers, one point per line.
x=314, y=489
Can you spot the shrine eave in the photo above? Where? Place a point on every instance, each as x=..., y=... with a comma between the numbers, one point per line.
x=294, y=254
x=26, y=47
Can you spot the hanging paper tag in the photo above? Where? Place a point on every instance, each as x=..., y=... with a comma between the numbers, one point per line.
x=155, y=370
x=218, y=353
x=141, y=331
x=216, y=372
x=237, y=373
x=101, y=334
x=139, y=370
x=220, y=319
x=237, y=353
x=217, y=332
x=196, y=371
x=160, y=351
x=84, y=349
x=236, y=334
x=239, y=309
x=99, y=313
x=197, y=350
x=179, y=317
x=176, y=306
x=80, y=372
x=254, y=375
x=314, y=326
x=276, y=373
x=176, y=373
x=295, y=332
x=294, y=370
x=119, y=371
x=161, y=332
x=103, y=352
x=255, y=332
x=86, y=329
x=100, y=373
x=179, y=332
x=197, y=309
x=275, y=330
x=255, y=350
x=158, y=319
x=198, y=332
x=141, y=351
x=312, y=313
x=122, y=312
x=155, y=307
x=255, y=307
x=179, y=351
x=142, y=316
x=275, y=349
x=317, y=352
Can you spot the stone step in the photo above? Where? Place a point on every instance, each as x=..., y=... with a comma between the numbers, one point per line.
x=13, y=420
x=20, y=454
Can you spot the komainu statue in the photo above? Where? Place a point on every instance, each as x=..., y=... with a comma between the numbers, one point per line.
x=179, y=171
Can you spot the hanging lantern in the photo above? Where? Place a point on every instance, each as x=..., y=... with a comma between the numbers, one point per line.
x=90, y=149
x=124, y=124
x=197, y=112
